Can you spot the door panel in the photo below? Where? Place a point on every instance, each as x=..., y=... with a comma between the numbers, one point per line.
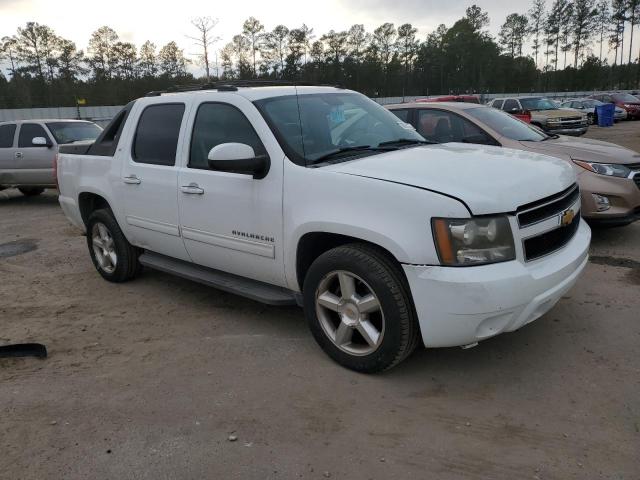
x=149, y=177
x=34, y=163
x=232, y=222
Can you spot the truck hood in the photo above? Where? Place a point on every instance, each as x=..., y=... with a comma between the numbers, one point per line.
x=559, y=113
x=487, y=179
x=584, y=149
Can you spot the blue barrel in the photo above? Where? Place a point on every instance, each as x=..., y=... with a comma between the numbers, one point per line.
x=605, y=114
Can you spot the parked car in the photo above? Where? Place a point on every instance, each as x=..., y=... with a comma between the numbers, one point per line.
x=609, y=175
x=588, y=106
x=623, y=100
x=321, y=197
x=28, y=149
x=545, y=114
x=451, y=98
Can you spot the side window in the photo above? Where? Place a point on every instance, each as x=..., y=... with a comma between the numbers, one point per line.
x=7, y=132
x=497, y=104
x=510, y=104
x=402, y=114
x=107, y=142
x=218, y=123
x=28, y=131
x=156, y=138
x=469, y=129
x=443, y=127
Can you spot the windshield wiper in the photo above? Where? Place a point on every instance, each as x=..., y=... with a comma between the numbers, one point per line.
x=382, y=147
x=405, y=141
x=341, y=150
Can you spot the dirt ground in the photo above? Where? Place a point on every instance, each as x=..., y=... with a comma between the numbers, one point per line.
x=149, y=379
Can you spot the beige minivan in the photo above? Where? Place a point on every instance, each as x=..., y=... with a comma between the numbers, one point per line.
x=28, y=147
x=608, y=174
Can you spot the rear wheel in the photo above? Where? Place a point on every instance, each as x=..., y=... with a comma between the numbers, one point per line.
x=112, y=254
x=31, y=191
x=359, y=309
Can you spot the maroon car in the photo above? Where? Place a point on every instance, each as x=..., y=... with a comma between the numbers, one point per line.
x=623, y=100
x=451, y=98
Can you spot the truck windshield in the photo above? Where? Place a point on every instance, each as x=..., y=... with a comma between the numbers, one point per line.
x=69, y=132
x=537, y=104
x=506, y=125
x=318, y=127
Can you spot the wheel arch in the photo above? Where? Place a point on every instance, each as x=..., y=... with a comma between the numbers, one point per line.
x=314, y=243
x=89, y=202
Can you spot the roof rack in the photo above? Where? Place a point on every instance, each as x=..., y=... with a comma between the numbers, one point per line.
x=232, y=86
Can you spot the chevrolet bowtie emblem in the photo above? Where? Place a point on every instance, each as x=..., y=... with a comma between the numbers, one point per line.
x=567, y=217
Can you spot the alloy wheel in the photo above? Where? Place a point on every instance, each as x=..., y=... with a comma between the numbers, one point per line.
x=350, y=313
x=104, y=247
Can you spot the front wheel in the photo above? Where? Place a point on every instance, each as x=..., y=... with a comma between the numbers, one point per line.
x=359, y=308
x=112, y=254
x=591, y=118
x=30, y=191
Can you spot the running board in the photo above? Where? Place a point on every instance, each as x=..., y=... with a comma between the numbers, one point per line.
x=245, y=287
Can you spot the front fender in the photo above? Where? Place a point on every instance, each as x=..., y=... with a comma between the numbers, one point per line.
x=393, y=216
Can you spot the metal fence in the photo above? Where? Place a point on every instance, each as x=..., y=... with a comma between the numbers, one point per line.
x=99, y=115
x=102, y=115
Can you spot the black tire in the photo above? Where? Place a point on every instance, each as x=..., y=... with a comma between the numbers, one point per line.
x=384, y=277
x=31, y=191
x=127, y=265
x=591, y=118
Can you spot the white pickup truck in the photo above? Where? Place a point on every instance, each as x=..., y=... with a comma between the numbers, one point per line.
x=319, y=196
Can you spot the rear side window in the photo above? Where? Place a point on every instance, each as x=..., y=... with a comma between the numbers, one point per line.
x=402, y=114
x=29, y=131
x=218, y=123
x=510, y=105
x=156, y=138
x=7, y=133
x=497, y=104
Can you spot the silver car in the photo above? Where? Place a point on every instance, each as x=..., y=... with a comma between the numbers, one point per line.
x=588, y=106
x=28, y=148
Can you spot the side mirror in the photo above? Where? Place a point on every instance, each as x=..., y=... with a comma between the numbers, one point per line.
x=514, y=110
x=238, y=158
x=40, y=142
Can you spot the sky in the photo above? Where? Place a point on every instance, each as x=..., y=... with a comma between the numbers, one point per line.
x=138, y=21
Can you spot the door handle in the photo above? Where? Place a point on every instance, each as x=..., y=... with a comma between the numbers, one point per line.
x=132, y=180
x=192, y=189
x=19, y=155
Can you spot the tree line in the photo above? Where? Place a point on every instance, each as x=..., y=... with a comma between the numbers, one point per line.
x=566, y=45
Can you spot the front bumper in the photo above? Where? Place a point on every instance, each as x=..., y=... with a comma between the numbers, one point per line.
x=632, y=112
x=623, y=195
x=572, y=131
x=460, y=306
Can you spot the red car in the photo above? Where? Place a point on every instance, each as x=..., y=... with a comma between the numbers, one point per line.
x=623, y=100
x=451, y=98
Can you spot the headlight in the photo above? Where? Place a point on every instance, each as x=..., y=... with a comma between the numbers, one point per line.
x=608, y=169
x=473, y=241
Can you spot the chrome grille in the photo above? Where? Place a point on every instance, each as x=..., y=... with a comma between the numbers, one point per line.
x=548, y=207
x=550, y=241
x=554, y=235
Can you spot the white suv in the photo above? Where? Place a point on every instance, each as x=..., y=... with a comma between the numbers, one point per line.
x=321, y=197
